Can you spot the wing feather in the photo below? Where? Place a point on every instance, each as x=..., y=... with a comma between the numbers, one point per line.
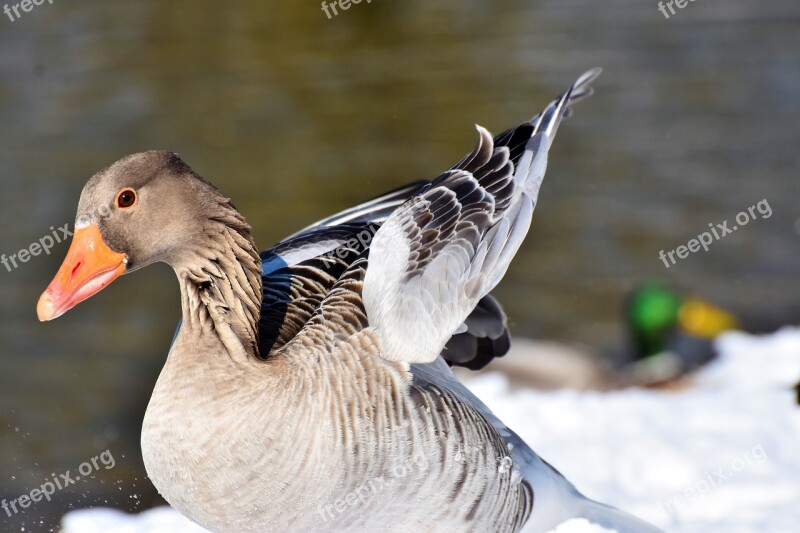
x=437, y=255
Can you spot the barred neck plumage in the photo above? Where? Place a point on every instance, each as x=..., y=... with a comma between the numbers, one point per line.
x=220, y=278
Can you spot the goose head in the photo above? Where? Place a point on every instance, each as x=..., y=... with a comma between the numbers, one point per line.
x=145, y=208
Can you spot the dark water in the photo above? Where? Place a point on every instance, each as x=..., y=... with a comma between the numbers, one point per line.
x=296, y=116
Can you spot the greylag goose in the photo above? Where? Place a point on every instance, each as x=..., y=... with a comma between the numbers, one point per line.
x=308, y=388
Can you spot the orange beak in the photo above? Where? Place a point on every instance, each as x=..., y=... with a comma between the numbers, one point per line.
x=90, y=266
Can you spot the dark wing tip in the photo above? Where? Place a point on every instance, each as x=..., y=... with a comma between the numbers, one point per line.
x=582, y=88
x=486, y=338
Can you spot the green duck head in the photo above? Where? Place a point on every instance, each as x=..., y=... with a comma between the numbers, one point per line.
x=656, y=313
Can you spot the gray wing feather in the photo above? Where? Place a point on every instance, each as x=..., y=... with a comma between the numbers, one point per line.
x=374, y=211
x=443, y=250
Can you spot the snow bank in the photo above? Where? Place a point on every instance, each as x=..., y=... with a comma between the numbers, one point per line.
x=723, y=454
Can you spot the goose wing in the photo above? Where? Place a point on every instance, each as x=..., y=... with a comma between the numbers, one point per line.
x=441, y=252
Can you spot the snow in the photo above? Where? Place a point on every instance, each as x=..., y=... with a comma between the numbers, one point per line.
x=158, y=520
x=720, y=454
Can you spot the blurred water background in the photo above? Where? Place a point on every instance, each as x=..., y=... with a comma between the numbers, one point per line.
x=296, y=116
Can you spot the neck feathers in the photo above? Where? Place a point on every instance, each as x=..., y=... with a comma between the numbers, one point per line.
x=221, y=282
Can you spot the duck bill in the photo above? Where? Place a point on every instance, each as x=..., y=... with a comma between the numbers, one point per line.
x=705, y=320
x=90, y=266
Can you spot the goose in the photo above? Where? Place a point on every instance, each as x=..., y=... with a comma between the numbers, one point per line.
x=308, y=387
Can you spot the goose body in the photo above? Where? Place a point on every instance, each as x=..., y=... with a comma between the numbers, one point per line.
x=323, y=464
x=308, y=388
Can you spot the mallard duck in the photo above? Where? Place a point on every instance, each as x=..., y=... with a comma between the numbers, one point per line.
x=671, y=333
x=305, y=389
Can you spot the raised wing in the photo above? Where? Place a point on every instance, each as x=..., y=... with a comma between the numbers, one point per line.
x=445, y=248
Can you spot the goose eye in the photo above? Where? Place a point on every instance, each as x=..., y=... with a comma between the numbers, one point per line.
x=126, y=198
